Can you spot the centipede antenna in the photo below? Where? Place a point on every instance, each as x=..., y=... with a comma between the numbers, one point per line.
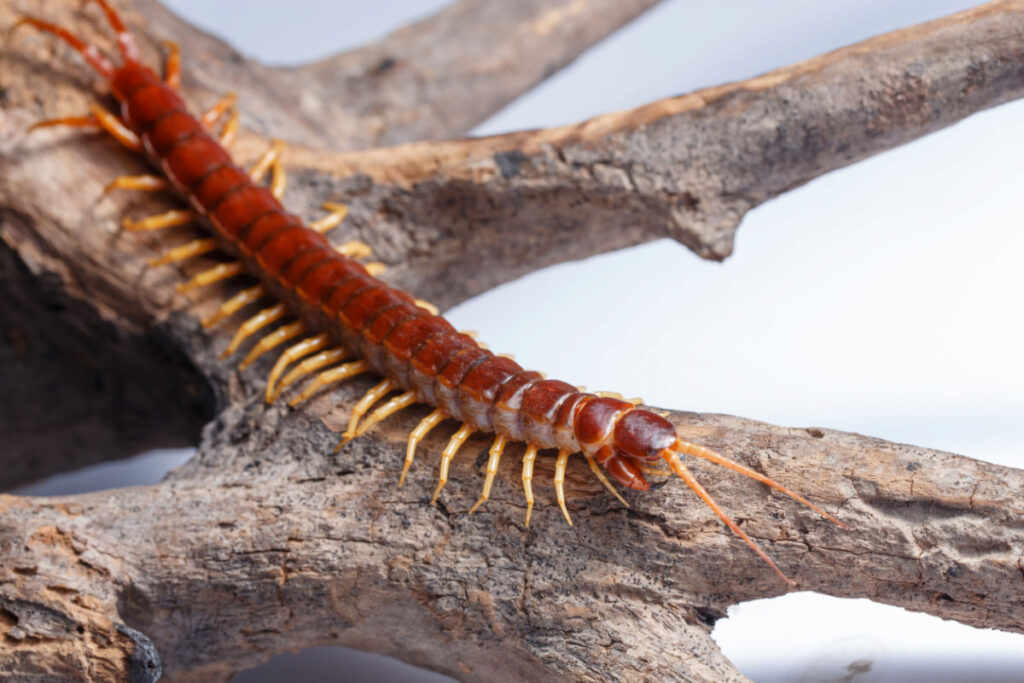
x=672, y=458
x=687, y=448
x=90, y=53
x=125, y=40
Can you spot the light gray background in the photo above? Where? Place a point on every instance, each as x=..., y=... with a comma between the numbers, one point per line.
x=885, y=299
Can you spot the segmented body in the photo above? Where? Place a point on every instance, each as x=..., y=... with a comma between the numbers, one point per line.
x=339, y=303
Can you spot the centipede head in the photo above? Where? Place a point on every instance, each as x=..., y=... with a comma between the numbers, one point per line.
x=623, y=439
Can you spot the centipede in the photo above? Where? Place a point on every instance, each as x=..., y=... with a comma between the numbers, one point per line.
x=338, y=320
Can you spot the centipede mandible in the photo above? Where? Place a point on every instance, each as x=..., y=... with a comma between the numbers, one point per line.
x=337, y=320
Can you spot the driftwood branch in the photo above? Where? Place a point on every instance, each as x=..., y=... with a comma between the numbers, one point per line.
x=266, y=541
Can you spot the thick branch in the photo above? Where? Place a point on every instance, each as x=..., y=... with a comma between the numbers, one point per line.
x=267, y=543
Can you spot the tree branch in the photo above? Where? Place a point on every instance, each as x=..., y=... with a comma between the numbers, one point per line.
x=267, y=542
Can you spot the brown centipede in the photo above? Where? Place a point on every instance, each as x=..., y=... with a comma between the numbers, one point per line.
x=346, y=321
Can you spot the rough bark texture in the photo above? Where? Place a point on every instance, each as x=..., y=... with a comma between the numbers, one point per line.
x=266, y=541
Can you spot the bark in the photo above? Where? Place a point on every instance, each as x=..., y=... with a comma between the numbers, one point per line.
x=268, y=541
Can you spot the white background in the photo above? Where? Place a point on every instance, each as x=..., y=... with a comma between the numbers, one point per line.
x=885, y=296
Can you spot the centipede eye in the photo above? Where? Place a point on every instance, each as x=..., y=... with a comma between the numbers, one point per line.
x=644, y=435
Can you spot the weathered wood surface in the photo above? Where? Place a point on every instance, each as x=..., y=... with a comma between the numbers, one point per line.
x=266, y=541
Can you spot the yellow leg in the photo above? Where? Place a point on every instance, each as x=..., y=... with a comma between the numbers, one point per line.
x=235, y=304
x=292, y=354
x=387, y=410
x=185, y=251
x=212, y=115
x=278, y=179
x=528, y=458
x=310, y=365
x=208, y=277
x=563, y=460
x=273, y=340
x=427, y=306
x=146, y=183
x=365, y=403
x=113, y=125
x=376, y=268
x=262, y=165
x=492, y=469
x=332, y=220
x=227, y=135
x=168, y=219
x=355, y=249
x=88, y=121
x=250, y=326
x=327, y=377
x=172, y=69
x=596, y=469
x=426, y=424
x=458, y=438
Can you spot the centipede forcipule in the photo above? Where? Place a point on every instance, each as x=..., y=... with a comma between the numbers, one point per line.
x=346, y=321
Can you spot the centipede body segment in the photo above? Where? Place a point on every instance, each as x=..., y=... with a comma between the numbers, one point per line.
x=339, y=321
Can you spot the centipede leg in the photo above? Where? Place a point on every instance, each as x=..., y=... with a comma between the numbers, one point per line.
x=329, y=376
x=185, y=251
x=212, y=115
x=355, y=249
x=365, y=403
x=250, y=326
x=235, y=304
x=227, y=134
x=168, y=219
x=113, y=125
x=271, y=161
x=426, y=424
x=603, y=479
x=458, y=438
x=88, y=121
x=292, y=354
x=172, y=68
x=309, y=366
x=273, y=340
x=387, y=410
x=560, y=464
x=145, y=183
x=218, y=273
x=528, y=460
x=332, y=220
x=494, y=456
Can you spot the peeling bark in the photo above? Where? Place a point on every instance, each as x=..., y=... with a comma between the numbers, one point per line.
x=267, y=541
